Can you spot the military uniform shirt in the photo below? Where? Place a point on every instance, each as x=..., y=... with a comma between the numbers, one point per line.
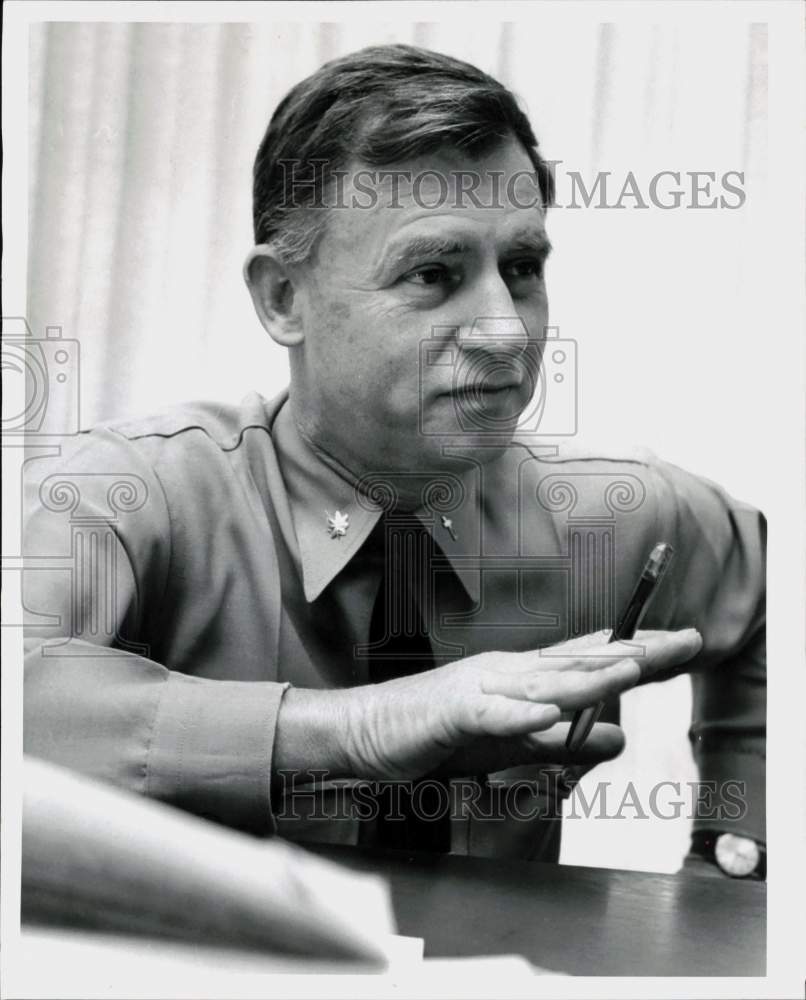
x=181, y=572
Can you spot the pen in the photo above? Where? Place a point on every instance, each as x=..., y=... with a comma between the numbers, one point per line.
x=656, y=566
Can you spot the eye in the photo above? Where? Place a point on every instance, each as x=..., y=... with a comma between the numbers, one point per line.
x=526, y=268
x=432, y=274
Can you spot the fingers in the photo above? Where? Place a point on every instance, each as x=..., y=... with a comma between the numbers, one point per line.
x=582, y=642
x=654, y=650
x=569, y=689
x=498, y=715
x=662, y=650
x=604, y=743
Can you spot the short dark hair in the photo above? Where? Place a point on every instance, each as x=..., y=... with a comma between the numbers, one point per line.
x=380, y=106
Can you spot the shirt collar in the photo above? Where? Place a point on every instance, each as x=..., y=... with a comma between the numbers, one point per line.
x=316, y=492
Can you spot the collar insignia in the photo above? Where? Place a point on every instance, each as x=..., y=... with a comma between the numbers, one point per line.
x=338, y=524
x=447, y=524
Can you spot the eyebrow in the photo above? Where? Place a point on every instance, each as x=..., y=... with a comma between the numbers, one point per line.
x=532, y=240
x=422, y=246
x=418, y=247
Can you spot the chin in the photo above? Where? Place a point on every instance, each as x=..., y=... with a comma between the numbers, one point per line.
x=448, y=425
x=451, y=451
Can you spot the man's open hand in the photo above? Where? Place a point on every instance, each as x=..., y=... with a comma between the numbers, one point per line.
x=496, y=710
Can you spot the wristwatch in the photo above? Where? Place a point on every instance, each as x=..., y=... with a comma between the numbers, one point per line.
x=737, y=856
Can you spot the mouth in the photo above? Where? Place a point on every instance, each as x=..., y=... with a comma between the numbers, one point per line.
x=488, y=389
x=487, y=401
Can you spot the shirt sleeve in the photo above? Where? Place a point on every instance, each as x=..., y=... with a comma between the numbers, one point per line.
x=97, y=551
x=719, y=585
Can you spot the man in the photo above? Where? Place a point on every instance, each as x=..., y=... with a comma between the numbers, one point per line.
x=372, y=577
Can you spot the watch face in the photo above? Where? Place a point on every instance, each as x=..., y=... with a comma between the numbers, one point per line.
x=736, y=856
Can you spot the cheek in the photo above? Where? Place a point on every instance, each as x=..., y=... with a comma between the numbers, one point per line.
x=329, y=331
x=364, y=354
x=343, y=351
x=533, y=311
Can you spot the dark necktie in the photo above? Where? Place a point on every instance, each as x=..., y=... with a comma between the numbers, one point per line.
x=399, y=646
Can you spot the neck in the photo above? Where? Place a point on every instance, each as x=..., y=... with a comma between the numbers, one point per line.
x=390, y=488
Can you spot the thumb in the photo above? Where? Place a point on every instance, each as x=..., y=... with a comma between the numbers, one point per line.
x=605, y=742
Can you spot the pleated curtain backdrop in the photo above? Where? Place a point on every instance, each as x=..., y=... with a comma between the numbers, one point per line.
x=142, y=140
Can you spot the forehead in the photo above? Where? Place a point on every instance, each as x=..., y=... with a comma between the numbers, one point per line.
x=484, y=199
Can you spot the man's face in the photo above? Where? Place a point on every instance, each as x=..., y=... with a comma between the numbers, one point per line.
x=420, y=314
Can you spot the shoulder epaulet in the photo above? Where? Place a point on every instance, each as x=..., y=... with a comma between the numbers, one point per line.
x=223, y=423
x=580, y=450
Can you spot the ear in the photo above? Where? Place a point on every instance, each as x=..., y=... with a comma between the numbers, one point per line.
x=272, y=290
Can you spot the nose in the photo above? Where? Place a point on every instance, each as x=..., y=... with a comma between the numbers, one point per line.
x=507, y=334
x=491, y=321
x=495, y=353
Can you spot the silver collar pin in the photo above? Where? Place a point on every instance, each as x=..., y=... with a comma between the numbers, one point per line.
x=447, y=524
x=337, y=524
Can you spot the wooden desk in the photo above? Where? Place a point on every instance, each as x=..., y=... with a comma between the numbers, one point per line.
x=584, y=921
